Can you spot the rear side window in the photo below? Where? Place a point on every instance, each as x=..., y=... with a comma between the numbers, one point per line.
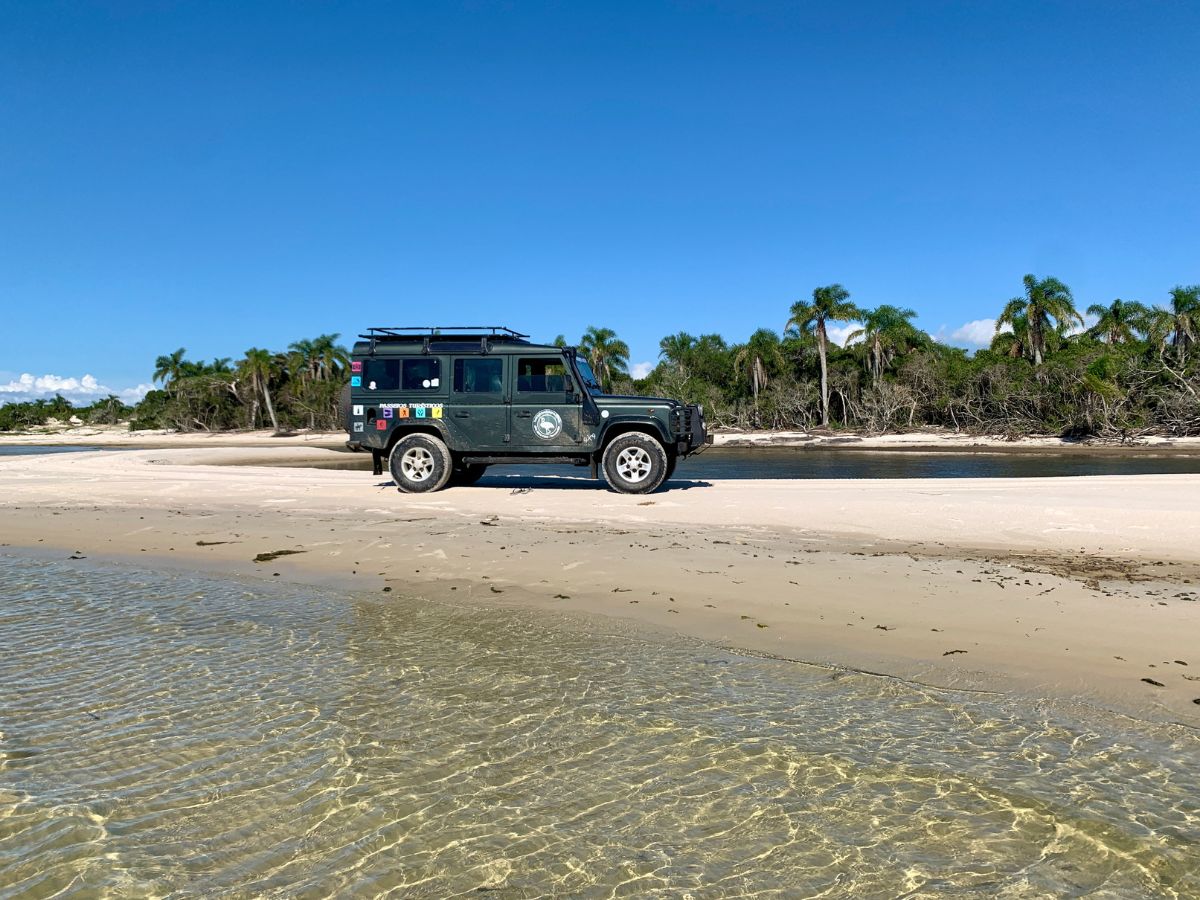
x=478, y=376
x=541, y=375
x=423, y=374
x=381, y=374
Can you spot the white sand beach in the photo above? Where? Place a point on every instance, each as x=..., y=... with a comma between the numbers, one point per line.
x=1068, y=587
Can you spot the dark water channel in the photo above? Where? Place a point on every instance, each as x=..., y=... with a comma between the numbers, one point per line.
x=34, y=450
x=790, y=462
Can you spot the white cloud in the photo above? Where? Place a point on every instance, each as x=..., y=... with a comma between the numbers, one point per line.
x=838, y=333
x=978, y=333
x=135, y=394
x=86, y=388
x=641, y=370
x=1088, y=322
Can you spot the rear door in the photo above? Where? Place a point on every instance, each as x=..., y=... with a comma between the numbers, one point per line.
x=477, y=413
x=546, y=417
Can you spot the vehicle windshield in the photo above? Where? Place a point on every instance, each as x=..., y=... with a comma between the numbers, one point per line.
x=589, y=380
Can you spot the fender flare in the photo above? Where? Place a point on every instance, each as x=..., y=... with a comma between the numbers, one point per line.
x=616, y=425
x=420, y=426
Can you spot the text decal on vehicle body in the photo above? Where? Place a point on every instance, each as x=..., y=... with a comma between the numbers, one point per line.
x=412, y=410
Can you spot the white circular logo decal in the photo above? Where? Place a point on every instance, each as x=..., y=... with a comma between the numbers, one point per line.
x=547, y=424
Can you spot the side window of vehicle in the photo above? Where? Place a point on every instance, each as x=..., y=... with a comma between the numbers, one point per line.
x=424, y=374
x=381, y=374
x=478, y=376
x=542, y=375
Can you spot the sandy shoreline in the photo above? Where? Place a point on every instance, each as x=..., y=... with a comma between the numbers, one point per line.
x=1066, y=587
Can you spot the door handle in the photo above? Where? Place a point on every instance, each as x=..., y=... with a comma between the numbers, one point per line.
x=462, y=414
x=524, y=414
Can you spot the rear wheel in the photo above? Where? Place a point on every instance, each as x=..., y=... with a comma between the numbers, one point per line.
x=634, y=463
x=420, y=463
x=464, y=476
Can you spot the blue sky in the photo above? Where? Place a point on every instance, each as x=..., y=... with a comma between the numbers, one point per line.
x=221, y=175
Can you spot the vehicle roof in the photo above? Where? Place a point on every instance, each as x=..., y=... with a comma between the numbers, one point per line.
x=417, y=348
x=412, y=341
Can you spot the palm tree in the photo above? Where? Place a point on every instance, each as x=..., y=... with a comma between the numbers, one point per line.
x=886, y=331
x=1119, y=322
x=1180, y=323
x=607, y=355
x=106, y=411
x=560, y=340
x=258, y=367
x=829, y=304
x=674, y=348
x=170, y=368
x=757, y=357
x=219, y=366
x=331, y=358
x=1045, y=303
x=1011, y=343
x=302, y=359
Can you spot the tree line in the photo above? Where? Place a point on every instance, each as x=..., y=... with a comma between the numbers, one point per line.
x=287, y=390
x=1135, y=371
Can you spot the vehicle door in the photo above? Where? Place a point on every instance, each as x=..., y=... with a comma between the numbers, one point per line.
x=477, y=413
x=546, y=407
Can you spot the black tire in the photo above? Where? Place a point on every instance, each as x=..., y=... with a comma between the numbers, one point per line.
x=343, y=408
x=465, y=476
x=420, y=463
x=634, y=463
x=672, y=461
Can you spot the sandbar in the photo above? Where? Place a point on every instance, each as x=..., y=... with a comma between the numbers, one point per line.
x=1084, y=588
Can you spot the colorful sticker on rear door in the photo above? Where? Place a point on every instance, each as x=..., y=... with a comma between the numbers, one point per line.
x=412, y=410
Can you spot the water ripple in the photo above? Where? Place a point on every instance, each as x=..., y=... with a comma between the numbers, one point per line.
x=179, y=735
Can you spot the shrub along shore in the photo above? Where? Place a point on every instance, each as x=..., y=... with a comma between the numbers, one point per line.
x=1134, y=372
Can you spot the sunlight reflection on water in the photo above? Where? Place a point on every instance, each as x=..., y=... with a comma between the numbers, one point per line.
x=173, y=733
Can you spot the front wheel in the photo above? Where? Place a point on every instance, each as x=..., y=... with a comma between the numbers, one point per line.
x=634, y=463
x=420, y=463
x=672, y=461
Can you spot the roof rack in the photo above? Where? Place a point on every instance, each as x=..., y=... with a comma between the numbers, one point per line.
x=419, y=333
x=486, y=335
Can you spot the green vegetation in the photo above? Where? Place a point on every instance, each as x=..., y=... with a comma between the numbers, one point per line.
x=294, y=389
x=32, y=413
x=1134, y=371
x=298, y=388
x=608, y=356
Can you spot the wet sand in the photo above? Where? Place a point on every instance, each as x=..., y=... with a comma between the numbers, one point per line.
x=1084, y=588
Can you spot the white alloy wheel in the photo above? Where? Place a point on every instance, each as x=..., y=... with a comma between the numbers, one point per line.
x=634, y=464
x=417, y=464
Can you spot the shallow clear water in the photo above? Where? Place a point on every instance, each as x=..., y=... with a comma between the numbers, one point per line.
x=32, y=450
x=180, y=734
x=783, y=462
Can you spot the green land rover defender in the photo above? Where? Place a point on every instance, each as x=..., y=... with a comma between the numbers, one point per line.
x=443, y=404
